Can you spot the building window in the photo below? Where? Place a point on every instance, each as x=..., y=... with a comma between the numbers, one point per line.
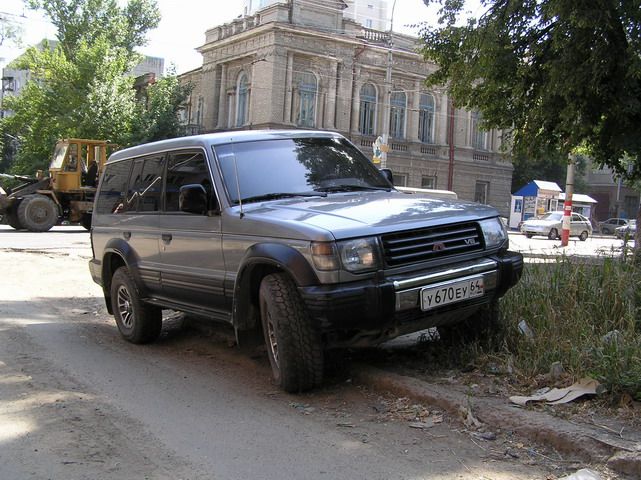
x=426, y=118
x=428, y=182
x=398, y=102
x=242, y=100
x=400, y=179
x=480, y=137
x=368, y=23
x=368, y=109
x=481, y=192
x=307, y=91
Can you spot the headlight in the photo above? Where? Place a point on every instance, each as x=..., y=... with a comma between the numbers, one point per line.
x=356, y=255
x=359, y=255
x=494, y=232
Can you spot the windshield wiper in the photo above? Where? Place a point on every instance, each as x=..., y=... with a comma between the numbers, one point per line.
x=350, y=188
x=279, y=195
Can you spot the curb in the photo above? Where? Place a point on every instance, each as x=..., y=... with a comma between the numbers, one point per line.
x=565, y=437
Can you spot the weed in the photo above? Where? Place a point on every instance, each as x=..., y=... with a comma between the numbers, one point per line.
x=585, y=315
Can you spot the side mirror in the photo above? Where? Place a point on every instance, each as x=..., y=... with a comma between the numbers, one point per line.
x=387, y=173
x=193, y=199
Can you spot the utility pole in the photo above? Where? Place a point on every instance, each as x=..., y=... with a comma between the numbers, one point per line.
x=567, y=205
x=388, y=91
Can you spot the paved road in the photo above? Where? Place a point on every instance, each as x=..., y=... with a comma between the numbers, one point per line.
x=78, y=402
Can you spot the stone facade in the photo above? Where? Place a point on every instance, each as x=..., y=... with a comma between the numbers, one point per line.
x=297, y=66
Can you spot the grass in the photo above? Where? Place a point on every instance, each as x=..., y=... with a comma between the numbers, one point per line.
x=586, y=316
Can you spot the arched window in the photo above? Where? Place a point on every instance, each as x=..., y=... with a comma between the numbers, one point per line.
x=366, y=124
x=426, y=118
x=480, y=137
x=307, y=91
x=398, y=102
x=242, y=100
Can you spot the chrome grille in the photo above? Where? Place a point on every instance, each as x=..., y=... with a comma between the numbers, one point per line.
x=415, y=246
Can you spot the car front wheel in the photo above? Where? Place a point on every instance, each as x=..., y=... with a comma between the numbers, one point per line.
x=554, y=234
x=294, y=345
x=137, y=321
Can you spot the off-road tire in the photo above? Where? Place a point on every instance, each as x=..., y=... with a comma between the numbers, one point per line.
x=37, y=213
x=294, y=345
x=137, y=321
x=584, y=236
x=482, y=325
x=554, y=234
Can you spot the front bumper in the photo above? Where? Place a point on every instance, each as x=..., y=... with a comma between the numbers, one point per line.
x=390, y=305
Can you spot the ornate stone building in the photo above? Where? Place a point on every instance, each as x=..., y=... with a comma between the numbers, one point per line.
x=302, y=64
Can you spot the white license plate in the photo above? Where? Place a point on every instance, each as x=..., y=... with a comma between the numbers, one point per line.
x=451, y=292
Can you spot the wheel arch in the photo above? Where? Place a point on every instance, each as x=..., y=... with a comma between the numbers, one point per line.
x=117, y=253
x=259, y=261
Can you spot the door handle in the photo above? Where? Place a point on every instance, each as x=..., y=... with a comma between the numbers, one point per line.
x=166, y=238
x=127, y=235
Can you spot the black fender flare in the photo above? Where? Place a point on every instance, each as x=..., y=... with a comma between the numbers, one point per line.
x=121, y=249
x=258, y=260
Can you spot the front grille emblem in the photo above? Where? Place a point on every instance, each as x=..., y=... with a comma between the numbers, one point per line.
x=438, y=247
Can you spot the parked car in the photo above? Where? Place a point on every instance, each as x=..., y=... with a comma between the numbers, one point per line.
x=296, y=240
x=627, y=231
x=550, y=225
x=611, y=224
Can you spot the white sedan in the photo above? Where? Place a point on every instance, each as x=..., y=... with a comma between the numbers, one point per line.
x=550, y=225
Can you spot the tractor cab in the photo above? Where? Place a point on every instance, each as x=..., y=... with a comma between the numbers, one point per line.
x=76, y=164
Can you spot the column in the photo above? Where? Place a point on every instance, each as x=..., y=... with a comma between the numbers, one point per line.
x=222, y=99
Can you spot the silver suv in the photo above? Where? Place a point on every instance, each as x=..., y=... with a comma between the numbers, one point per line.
x=293, y=237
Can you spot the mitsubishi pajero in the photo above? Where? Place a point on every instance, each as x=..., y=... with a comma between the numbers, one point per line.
x=292, y=236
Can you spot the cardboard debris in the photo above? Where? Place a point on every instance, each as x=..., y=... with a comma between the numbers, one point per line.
x=583, y=474
x=585, y=386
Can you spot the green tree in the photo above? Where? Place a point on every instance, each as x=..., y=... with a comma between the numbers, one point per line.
x=81, y=88
x=158, y=112
x=10, y=31
x=558, y=74
x=89, y=20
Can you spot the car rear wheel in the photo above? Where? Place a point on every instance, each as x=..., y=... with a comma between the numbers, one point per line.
x=137, y=321
x=584, y=236
x=554, y=234
x=294, y=345
x=528, y=235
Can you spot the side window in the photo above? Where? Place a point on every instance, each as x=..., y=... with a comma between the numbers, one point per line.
x=145, y=184
x=113, y=187
x=185, y=168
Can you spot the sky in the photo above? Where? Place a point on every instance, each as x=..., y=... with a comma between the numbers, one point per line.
x=183, y=25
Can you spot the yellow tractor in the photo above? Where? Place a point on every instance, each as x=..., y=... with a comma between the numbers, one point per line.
x=67, y=194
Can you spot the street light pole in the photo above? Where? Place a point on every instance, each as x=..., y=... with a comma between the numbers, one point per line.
x=388, y=91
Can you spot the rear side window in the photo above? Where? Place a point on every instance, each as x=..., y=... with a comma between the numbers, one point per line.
x=113, y=188
x=145, y=184
x=185, y=168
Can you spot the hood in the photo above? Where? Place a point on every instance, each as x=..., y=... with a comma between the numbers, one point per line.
x=356, y=214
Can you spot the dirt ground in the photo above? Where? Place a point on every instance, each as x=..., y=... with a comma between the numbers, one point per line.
x=78, y=402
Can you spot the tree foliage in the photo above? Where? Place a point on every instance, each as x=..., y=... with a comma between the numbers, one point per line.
x=158, y=115
x=559, y=73
x=10, y=31
x=81, y=88
x=87, y=21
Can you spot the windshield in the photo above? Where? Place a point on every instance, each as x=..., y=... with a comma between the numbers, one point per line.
x=283, y=168
x=556, y=216
x=59, y=155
